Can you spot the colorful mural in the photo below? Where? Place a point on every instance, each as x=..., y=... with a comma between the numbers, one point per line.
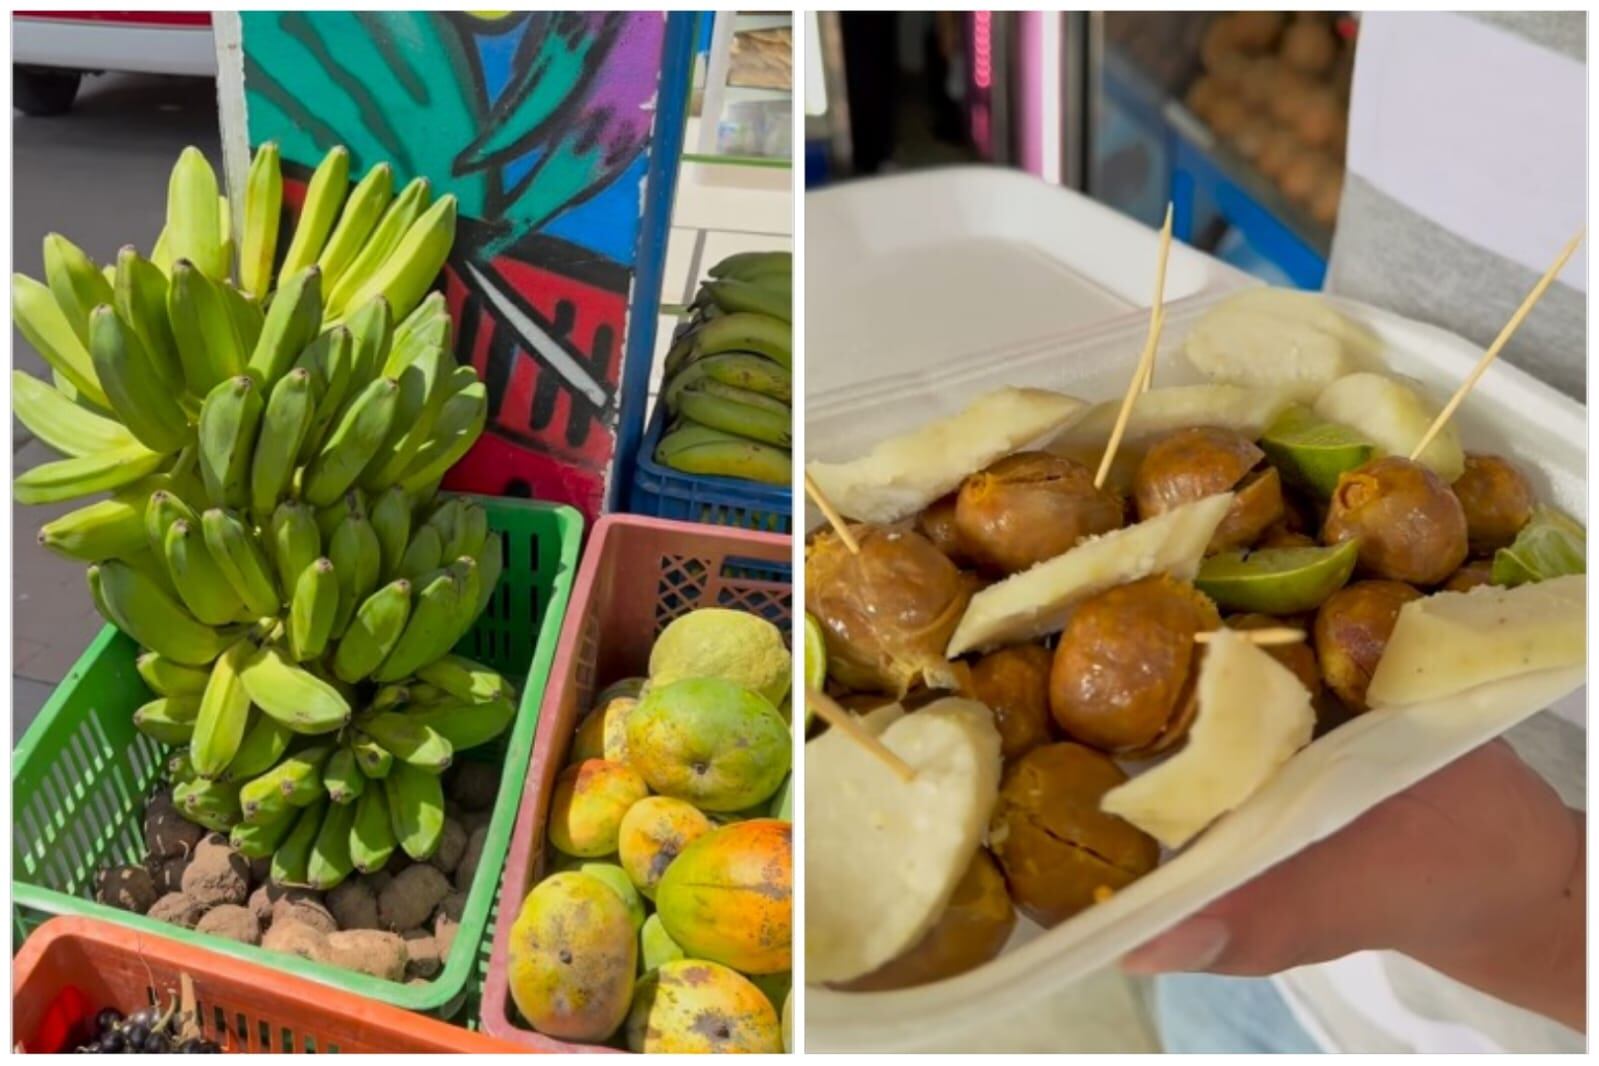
x=540, y=123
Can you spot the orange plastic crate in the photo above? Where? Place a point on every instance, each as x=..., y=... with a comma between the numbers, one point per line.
x=242, y=1006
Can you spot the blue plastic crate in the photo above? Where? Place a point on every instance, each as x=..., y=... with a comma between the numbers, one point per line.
x=719, y=501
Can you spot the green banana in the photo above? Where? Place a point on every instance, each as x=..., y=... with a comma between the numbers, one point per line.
x=696, y=449
x=230, y=419
x=294, y=696
x=202, y=586
x=224, y=712
x=423, y=692
x=357, y=561
x=241, y=561
x=194, y=225
x=329, y=517
x=135, y=604
x=389, y=697
x=423, y=555
x=263, y=212
x=259, y=841
x=312, y=609
x=411, y=741
x=330, y=358
x=105, y=529
x=428, y=327
x=163, y=509
x=167, y=719
x=457, y=428
x=167, y=678
x=372, y=833
x=295, y=541
x=470, y=585
x=294, y=782
x=416, y=809
x=284, y=426
x=178, y=768
x=329, y=862
x=63, y=425
x=45, y=326
x=341, y=777
x=490, y=564
x=265, y=741
x=466, y=528
x=407, y=274
x=213, y=804
x=466, y=725
x=373, y=632
x=380, y=245
x=373, y=758
x=423, y=391
x=366, y=205
x=465, y=680
x=154, y=569
x=74, y=281
x=737, y=411
x=750, y=265
x=144, y=403
x=209, y=347
x=429, y=633
x=68, y=479
x=246, y=315
x=371, y=334
x=736, y=332
x=771, y=297
x=356, y=438
x=391, y=521
x=289, y=862
x=324, y=195
x=742, y=370
x=292, y=321
x=139, y=293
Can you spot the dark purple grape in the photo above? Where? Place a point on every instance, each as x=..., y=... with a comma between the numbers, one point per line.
x=112, y=1042
x=210, y=1047
x=157, y=1041
x=135, y=1033
x=146, y=1017
x=107, y=1019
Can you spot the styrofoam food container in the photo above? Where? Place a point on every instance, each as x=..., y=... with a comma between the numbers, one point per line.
x=1320, y=790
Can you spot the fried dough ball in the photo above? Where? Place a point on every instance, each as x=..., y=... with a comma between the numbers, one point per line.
x=1298, y=657
x=1352, y=630
x=1497, y=500
x=1470, y=576
x=1190, y=464
x=1029, y=507
x=1125, y=669
x=1411, y=527
x=1014, y=684
x=937, y=524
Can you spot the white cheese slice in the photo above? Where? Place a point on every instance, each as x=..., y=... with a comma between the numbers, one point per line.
x=1161, y=411
x=883, y=856
x=1449, y=642
x=1392, y=415
x=1270, y=347
x=1037, y=602
x=903, y=474
x=1253, y=715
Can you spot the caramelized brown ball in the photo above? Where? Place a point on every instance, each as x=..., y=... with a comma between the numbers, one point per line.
x=972, y=930
x=1124, y=671
x=1014, y=684
x=1298, y=657
x=1475, y=573
x=1410, y=526
x=1277, y=536
x=1190, y=464
x=1029, y=507
x=888, y=612
x=1352, y=630
x=1497, y=499
x=937, y=524
x=1058, y=849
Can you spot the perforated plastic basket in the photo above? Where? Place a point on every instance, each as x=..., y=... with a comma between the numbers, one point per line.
x=638, y=575
x=80, y=776
x=719, y=501
x=241, y=1006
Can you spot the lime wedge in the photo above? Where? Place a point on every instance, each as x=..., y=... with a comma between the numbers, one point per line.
x=1311, y=452
x=1277, y=580
x=815, y=659
x=1551, y=545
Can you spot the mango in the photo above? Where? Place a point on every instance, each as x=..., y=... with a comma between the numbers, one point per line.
x=729, y=896
x=655, y=831
x=656, y=945
x=693, y=1006
x=710, y=742
x=628, y=686
x=588, y=804
x=572, y=957
x=603, y=733
x=615, y=878
x=731, y=645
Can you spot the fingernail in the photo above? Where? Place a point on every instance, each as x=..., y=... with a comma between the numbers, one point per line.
x=1193, y=945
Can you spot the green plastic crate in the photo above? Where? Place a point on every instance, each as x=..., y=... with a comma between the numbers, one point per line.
x=81, y=774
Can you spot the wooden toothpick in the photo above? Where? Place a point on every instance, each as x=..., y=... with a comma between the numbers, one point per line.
x=1261, y=637
x=1499, y=343
x=830, y=512
x=1144, y=372
x=840, y=719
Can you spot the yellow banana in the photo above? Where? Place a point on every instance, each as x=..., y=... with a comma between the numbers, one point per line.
x=105, y=529
x=366, y=205
x=294, y=696
x=224, y=712
x=63, y=425
x=194, y=226
x=696, y=449
x=294, y=782
x=45, y=326
x=324, y=195
x=168, y=720
x=408, y=273
x=75, y=282
x=68, y=479
x=263, y=210
x=380, y=245
x=167, y=678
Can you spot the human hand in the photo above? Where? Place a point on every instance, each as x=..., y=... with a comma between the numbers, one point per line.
x=1477, y=871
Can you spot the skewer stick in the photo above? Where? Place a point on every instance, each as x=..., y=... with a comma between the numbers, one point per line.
x=1144, y=372
x=1499, y=343
x=840, y=719
x=830, y=512
x=1264, y=638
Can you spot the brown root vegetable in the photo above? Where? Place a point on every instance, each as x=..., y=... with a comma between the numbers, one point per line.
x=369, y=951
x=1260, y=78
x=888, y=611
x=1309, y=46
x=297, y=938
x=1059, y=851
x=1250, y=140
x=1320, y=118
x=408, y=900
x=474, y=785
x=1125, y=669
x=1472, y=575
x=937, y=524
x=1254, y=31
x=452, y=845
x=1191, y=464
x=1497, y=500
x=1014, y=684
x=177, y=908
x=354, y=905
x=303, y=908
x=167, y=874
x=422, y=955
x=217, y=874
x=1351, y=632
x=1298, y=657
x=467, y=868
x=1030, y=507
x=970, y=932
x=1411, y=527
x=232, y=922
x=167, y=834
x=128, y=888
x=1228, y=115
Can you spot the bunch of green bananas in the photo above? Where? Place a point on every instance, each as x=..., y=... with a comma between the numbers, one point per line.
x=728, y=379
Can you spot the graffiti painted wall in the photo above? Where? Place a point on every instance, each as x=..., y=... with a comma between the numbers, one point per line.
x=540, y=123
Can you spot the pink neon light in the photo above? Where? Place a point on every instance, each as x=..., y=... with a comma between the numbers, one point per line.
x=982, y=48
